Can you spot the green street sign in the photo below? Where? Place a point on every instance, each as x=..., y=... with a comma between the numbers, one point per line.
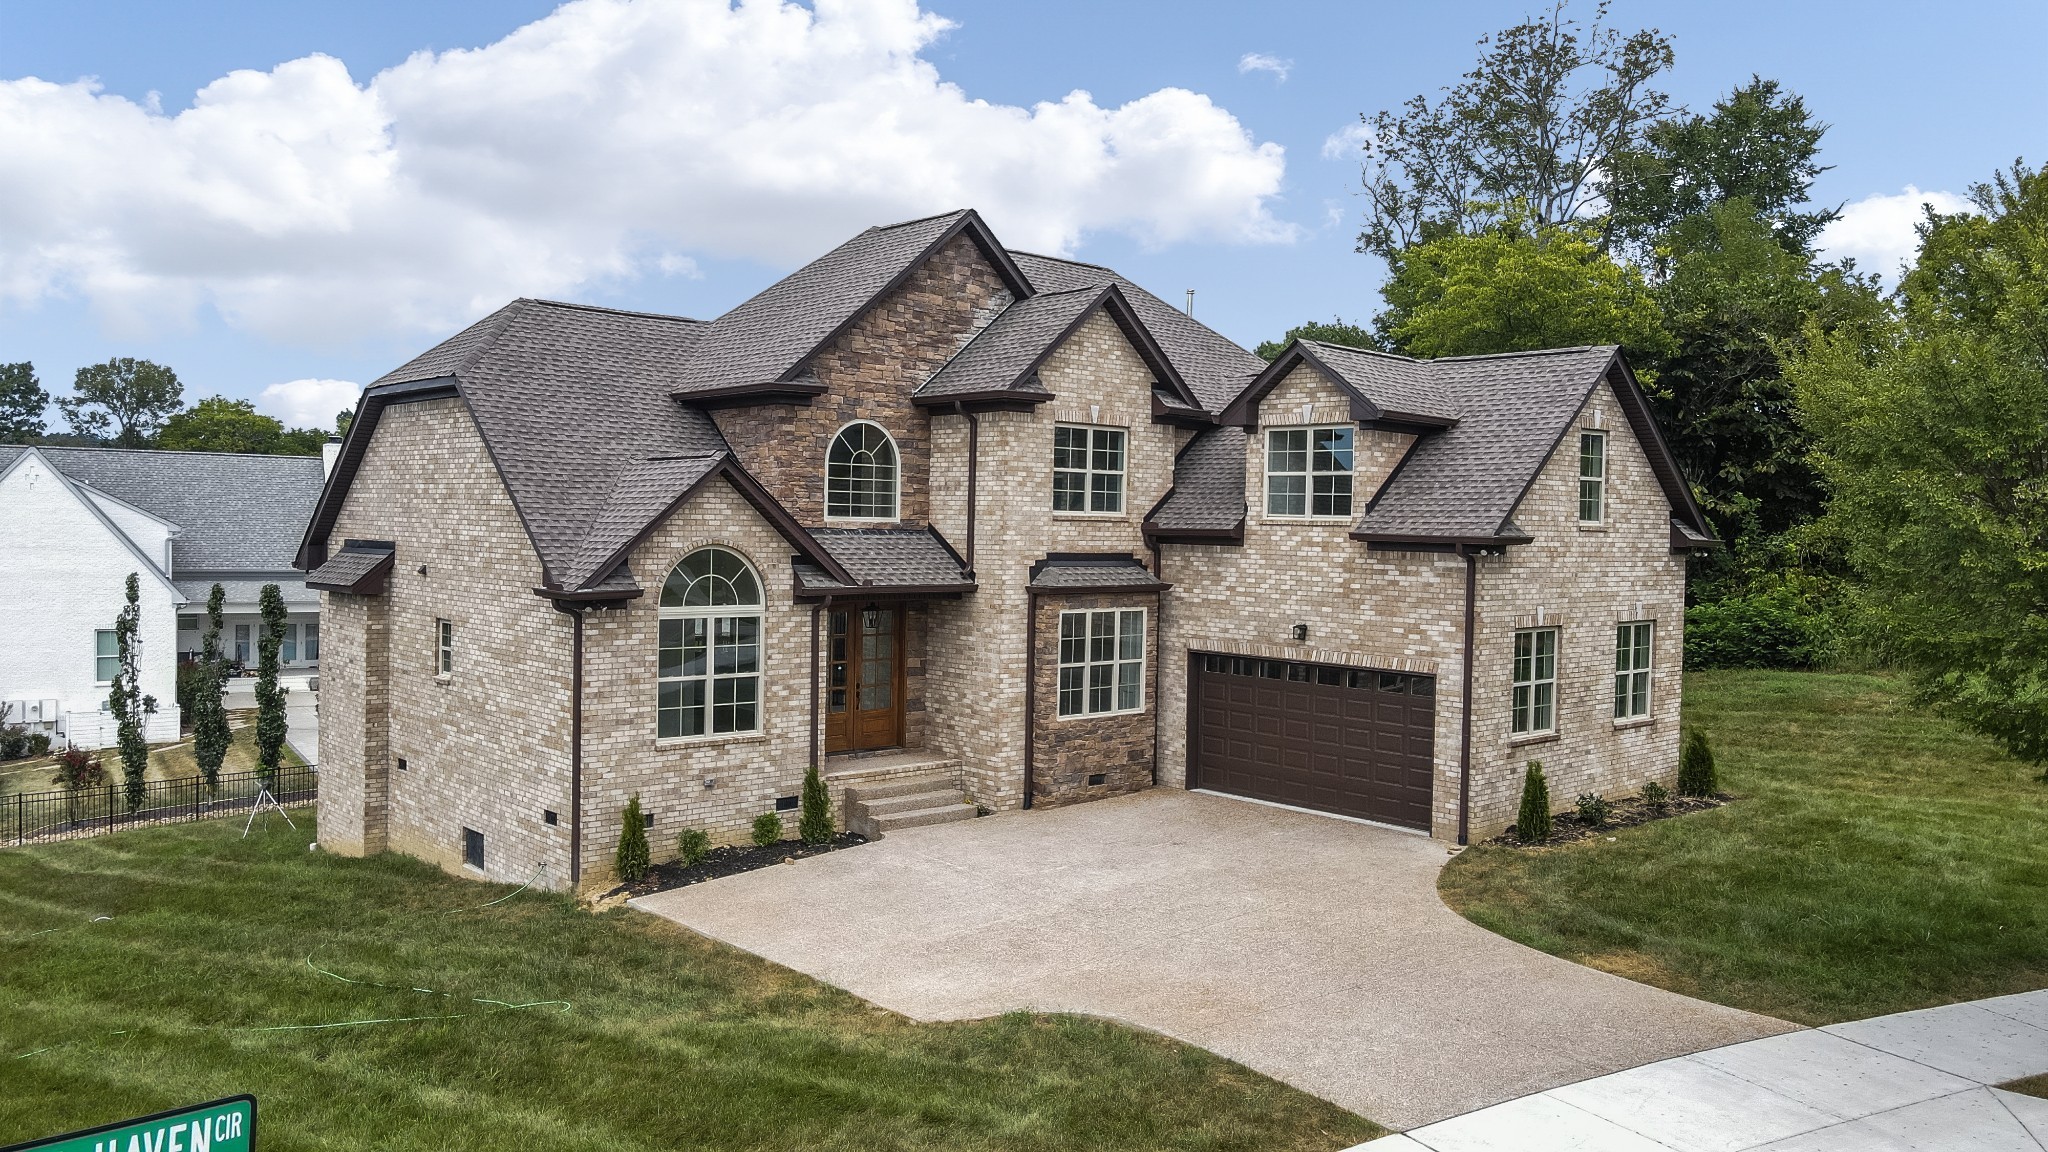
x=220, y=1126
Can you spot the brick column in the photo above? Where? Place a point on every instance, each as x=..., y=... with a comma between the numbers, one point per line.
x=355, y=714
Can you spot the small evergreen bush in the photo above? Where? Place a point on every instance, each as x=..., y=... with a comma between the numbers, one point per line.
x=1532, y=824
x=1696, y=774
x=693, y=846
x=767, y=829
x=13, y=741
x=1593, y=810
x=632, y=859
x=1656, y=797
x=816, y=825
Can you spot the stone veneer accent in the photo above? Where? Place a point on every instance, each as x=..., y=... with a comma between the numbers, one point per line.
x=869, y=372
x=1069, y=750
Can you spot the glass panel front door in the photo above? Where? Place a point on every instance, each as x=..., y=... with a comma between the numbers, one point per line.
x=863, y=680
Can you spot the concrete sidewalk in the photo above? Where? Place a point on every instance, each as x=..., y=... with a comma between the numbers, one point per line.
x=1916, y=1081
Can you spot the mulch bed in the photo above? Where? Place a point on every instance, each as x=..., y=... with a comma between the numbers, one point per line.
x=1566, y=827
x=730, y=860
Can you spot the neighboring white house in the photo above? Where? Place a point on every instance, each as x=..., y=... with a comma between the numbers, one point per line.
x=74, y=522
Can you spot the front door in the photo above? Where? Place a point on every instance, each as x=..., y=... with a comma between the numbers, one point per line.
x=864, y=685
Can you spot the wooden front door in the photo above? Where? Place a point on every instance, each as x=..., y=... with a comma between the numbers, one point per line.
x=864, y=679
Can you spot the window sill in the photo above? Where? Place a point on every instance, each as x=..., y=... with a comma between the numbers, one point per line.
x=1277, y=518
x=715, y=740
x=1534, y=738
x=1635, y=722
x=1592, y=526
x=1096, y=516
x=864, y=521
x=444, y=678
x=1122, y=712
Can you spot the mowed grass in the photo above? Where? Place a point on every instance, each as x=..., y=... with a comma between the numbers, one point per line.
x=175, y=761
x=663, y=1039
x=1876, y=859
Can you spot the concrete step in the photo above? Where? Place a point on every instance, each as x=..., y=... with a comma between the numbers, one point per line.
x=901, y=786
x=922, y=817
x=911, y=801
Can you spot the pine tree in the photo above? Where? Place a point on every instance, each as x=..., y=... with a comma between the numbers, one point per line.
x=1696, y=774
x=270, y=721
x=632, y=859
x=1532, y=824
x=210, y=736
x=815, y=827
x=130, y=707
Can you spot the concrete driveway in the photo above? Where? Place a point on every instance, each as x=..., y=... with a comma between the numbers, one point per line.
x=1312, y=949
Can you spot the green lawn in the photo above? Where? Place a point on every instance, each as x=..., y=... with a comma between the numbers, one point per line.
x=174, y=761
x=662, y=1039
x=1876, y=859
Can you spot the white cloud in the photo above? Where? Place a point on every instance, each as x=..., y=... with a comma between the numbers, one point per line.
x=610, y=140
x=1345, y=143
x=308, y=403
x=1261, y=62
x=1878, y=230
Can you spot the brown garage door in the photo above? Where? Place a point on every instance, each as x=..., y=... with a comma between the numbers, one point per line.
x=1353, y=741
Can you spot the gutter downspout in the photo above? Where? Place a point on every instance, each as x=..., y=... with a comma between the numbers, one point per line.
x=973, y=471
x=576, y=751
x=1465, y=700
x=1030, y=687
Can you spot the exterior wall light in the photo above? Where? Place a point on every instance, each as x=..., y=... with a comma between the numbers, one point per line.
x=1300, y=633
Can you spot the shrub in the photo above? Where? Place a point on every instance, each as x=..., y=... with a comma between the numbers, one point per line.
x=767, y=829
x=13, y=741
x=693, y=846
x=78, y=768
x=1656, y=796
x=39, y=744
x=1593, y=810
x=633, y=843
x=1532, y=824
x=1790, y=624
x=1696, y=774
x=816, y=825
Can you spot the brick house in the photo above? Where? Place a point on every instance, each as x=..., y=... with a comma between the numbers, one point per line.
x=931, y=508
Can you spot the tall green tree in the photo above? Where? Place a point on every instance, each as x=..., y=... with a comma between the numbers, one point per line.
x=218, y=424
x=124, y=400
x=1935, y=445
x=126, y=701
x=1333, y=331
x=1515, y=287
x=270, y=718
x=1550, y=105
x=210, y=735
x=22, y=404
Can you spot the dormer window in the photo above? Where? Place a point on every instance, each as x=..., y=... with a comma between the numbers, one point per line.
x=1308, y=471
x=860, y=474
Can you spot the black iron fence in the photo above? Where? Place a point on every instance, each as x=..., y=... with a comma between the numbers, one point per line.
x=72, y=813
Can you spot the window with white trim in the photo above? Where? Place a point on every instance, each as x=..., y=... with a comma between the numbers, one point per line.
x=444, y=647
x=1308, y=471
x=1632, y=650
x=1102, y=662
x=860, y=474
x=1533, y=707
x=1592, y=477
x=708, y=673
x=1087, y=469
x=106, y=663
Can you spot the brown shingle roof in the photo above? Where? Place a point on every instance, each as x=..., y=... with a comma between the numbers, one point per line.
x=1094, y=574
x=883, y=558
x=1207, y=497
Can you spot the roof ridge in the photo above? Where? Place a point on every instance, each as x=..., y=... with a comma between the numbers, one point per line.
x=605, y=308
x=919, y=220
x=1066, y=260
x=1530, y=352
x=180, y=452
x=1385, y=355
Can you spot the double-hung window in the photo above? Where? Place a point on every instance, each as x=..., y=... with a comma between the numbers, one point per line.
x=1087, y=469
x=1533, y=707
x=1592, y=477
x=106, y=663
x=1308, y=471
x=708, y=671
x=1102, y=662
x=444, y=647
x=1632, y=643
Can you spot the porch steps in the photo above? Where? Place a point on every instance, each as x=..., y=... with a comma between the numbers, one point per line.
x=875, y=810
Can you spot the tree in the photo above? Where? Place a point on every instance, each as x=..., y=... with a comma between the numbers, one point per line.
x=126, y=397
x=1549, y=107
x=130, y=707
x=1334, y=332
x=22, y=404
x=218, y=424
x=1696, y=773
x=632, y=854
x=1532, y=822
x=815, y=826
x=1935, y=446
x=270, y=719
x=342, y=420
x=210, y=735
x=1515, y=287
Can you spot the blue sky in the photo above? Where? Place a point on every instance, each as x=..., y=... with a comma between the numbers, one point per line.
x=129, y=257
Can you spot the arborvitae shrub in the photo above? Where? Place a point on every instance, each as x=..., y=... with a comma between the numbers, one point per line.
x=633, y=843
x=816, y=825
x=1696, y=775
x=1532, y=824
x=693, y=846
x=767, y=829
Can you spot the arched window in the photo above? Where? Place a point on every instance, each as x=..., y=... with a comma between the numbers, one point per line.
x=708, y=678
x=860, y=474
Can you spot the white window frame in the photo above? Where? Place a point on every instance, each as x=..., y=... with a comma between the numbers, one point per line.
x=1527, y=697
x=1635, y=654
x=1077, y=676
x=1309, y=473
x=99, y=658
x=444, y=646
x=1593, y=485
x=1090, y=471
x=895, y=476
x=714, y=622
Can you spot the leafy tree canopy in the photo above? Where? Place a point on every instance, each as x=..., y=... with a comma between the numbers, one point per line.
x=218, y=424
x=1335, y=331
x=22, y=403
x=124, y=400
x=1518, y=286
x=1935, y=443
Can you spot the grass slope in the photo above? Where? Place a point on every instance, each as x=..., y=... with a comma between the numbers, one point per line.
x=671, y=1041
x=166, y=762
x=1877, y=860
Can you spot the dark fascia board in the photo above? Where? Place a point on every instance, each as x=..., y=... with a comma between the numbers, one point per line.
x=589, y=597
x=1232, y=535
x=987, y=400
x=1243, y=411
x=933, y=529
x=1085, y=560
x=371, y=583
x=1164, y=413
x=1663, y=462
x=1680, y=542
x=762, y=392
x=1408, y=541
x=886, y=592
x=313, y=545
